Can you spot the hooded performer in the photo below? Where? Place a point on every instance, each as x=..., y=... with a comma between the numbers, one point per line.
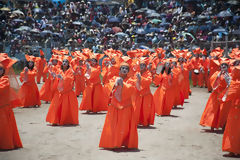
x=28, y=93
x=94, y=97
x=120, y=128
x=9, y=136
x=63, y=109
x=216, y=111
x=145, y=108
x=40, y=65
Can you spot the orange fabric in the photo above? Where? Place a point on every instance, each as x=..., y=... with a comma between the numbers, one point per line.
x=9, y=136
x=30, y=58
x=92, y=101
x=28, y=93
x=206, y=65
x=215, y=112
x=40, y=64
x=145, y=108
x=63, y=109
x=231, y=136
x=214, y=66
x=186, y=83
x=177, y=81
x=79, y=79
x=6, y=62
x=120, y=128
x=163, y=96
x=196, y=64
x=50, y=86
x=109, y=72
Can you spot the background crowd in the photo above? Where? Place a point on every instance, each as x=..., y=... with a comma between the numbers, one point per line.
x=103, y=24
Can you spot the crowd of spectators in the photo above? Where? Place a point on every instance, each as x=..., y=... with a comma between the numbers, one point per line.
x=100, y=25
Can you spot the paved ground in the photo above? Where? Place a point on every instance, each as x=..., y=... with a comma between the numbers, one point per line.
x=176, y=137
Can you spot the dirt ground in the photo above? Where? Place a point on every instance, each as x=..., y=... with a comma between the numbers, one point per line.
x=175, y=137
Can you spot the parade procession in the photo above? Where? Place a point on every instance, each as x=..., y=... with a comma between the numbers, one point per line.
x=172, y=99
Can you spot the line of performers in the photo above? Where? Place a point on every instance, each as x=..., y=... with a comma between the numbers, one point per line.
x=120, y=86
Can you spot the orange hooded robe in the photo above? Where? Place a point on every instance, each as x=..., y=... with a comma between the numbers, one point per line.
x=92, y=101
x=120, y=127
x=216, y=111
x=186, y=67
x=177, y=81
x=196, y=64
x=40, y=64
x=63, y=109
x=163, y=96
x=50, y=86
x=9, y=136
x=231, y=136
x=204, y=78
x=28, y=93
x=214, y=66
x=145, y=108
x=79, y=79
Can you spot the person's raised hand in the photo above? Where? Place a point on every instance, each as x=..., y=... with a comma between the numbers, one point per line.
x=26, y=69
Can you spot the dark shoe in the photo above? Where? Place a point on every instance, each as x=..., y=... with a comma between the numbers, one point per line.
x=230, y=154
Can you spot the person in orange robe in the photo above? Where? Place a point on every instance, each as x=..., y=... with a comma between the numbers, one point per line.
x=105, y=63
x=9, y=136
x=152, y=68
x=183, y=78
x=28, y=93
x=120, y=127
x=177, y=80
x=231, y=136
x=213, y=64
x=113, y=69
x=205, y=64
x=197, y=68
x=215, y=113
x=157, y=58
x=50, y=86
x=145, y=108
x=163, y=98
x=63, y=109
x=92, y=101
x=185, y=68
x=40, y=65
x=113, y=65
x=79, y=72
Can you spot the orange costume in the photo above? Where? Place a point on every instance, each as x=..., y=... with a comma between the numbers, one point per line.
x=163, y=98
x=176, y=83
x=203, y=79
x=28, y=93
x=112, y=69
x=196, y=65
x=50, y=86
x=120, y=128
x=63, y=109
x=213, y=64
x=145, y=108
x=186, y=81
x=216, y=111
x=231, y=136
x=110, y=72
x=184, y=67
x=40, y=65
x=94, y=97
x=79, y=72
x=105, y=63
x=9, y=136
